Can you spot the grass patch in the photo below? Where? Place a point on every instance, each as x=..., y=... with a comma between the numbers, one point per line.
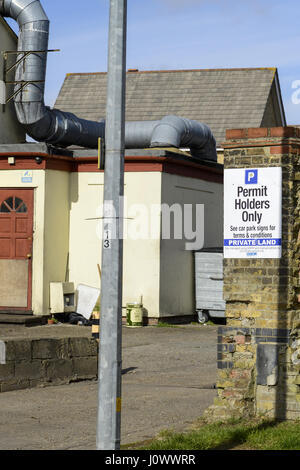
x=162, y=324
x=247, y=435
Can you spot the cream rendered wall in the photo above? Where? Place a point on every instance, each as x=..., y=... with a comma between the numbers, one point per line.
x=142, y=246
x=141, y=256
x=161, y=271
x=86, y=195
x=12, y=179
x=56, y=230
x=177, y=264
x=10, y=130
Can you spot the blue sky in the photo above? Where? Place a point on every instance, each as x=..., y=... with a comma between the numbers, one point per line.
x=180, y=34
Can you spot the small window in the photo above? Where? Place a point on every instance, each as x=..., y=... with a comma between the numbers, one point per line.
x=18, y=202
x=13, y=204
x=4, y=208
x=10, y=202
x=22, y=208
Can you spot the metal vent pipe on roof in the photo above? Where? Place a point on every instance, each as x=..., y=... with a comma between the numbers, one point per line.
x=62, y=128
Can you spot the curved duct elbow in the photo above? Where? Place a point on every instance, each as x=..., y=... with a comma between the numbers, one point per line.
x=64, y=129
x=177, y=132
x=172, y=131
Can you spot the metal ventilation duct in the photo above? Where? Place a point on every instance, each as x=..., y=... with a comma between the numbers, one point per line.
x=61, y=128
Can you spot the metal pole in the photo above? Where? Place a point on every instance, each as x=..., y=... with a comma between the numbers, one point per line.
x=110, y=355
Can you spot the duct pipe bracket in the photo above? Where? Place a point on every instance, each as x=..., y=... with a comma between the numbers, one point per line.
x=7, y=69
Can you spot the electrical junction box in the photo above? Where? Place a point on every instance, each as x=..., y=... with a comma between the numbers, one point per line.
x=62, y=297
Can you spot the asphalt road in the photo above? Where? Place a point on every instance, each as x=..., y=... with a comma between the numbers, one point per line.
x=167, y=383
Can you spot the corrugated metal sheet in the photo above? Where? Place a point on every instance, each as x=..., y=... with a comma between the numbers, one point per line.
x=209, y=282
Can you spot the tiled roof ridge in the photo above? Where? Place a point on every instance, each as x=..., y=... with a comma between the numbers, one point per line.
x=130, y=71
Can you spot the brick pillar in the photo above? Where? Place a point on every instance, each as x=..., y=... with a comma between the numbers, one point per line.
x=259, y=348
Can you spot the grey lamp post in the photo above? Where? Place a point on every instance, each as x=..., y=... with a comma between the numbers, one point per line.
x=110, y=356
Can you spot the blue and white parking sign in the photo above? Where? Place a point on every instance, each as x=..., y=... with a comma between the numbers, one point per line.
x=251, y=176
x=252, y=212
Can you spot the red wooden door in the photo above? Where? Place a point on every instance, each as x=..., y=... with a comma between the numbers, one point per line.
x=16, y=233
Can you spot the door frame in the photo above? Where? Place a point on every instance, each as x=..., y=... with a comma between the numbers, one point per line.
x=27, y=309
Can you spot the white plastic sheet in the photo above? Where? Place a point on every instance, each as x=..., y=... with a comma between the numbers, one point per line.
x=86, y=299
